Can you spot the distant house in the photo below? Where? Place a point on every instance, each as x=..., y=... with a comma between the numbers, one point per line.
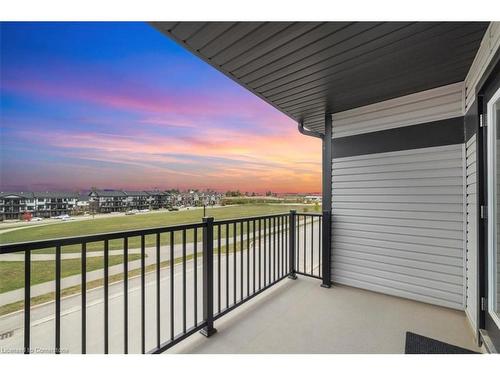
x=158, y=199
x=48, y=204
x=105, y=201
x=14, y=204
x=83, y=203
x=41, y=204
x=136, y=200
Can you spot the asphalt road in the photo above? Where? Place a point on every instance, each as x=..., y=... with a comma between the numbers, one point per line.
x=43, y=319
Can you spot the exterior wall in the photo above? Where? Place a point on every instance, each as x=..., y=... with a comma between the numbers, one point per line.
x=423, y=107
x=398, y=223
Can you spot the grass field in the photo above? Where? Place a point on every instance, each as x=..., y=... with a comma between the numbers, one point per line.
x=142, y=221
x=11, y=273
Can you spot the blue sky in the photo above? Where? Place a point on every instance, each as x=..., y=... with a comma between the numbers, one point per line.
x=119, y=105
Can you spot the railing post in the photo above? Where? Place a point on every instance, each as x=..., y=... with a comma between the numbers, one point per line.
x=326, y=250
x=208, y=276
x=291, y=248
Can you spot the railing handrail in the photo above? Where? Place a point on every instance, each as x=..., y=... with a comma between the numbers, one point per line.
x=75, y=240
x=244, y=219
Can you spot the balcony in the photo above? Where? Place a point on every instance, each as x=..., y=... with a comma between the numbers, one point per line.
x=235, y=281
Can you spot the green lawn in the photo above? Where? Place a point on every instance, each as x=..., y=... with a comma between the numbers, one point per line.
x=12, y=273
x=142, y=221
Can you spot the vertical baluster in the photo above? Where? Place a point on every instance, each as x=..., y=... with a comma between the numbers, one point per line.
x=234, y=262
x=158, y=308
x=253, y=268
x=227, y=265
x=106, y=296
x=280, y=232
x=312, y=245
x=125, y=295
x=195, y=241
x=184, y=281
x=218, y=266
x=305, y=243
x=265, y=251
x=269, y=270
x=27, y=301
x=260, y=254
x=283, y=242
x=143, y=294
x=58, y=300
x=208, y=277
x=172, y=275
x=241, y=260
x=84, y=296
x=292, y=245
x=297, y=243
x=248, y=257
x=275, y=239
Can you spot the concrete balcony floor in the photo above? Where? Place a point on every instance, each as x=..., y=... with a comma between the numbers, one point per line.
x=298, y=316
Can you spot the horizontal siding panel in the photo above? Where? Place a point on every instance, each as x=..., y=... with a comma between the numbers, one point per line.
x=393, y=229
x=398, y=222
x=395, y=175
x=418, y=248
x=400, y=198
x=450, y=208
x=435, y=261
x=401, y=285
x=402, y=182
x=422, y=240
x=415, y=223
x=423, y=215
x=422, y=107
x=440, y=190
x=418, y=277
x=439, y=272
x=395, y=290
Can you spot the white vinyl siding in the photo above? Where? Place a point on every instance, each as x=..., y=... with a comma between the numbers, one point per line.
x=398, y=223
x=487, y=49
x=422, y=107
x=472, y=231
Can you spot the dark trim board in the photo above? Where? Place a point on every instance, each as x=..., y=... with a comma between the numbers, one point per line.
x=431, y=134
x=471, y=120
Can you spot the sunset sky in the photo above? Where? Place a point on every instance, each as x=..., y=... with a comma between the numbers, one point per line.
x=118, y=105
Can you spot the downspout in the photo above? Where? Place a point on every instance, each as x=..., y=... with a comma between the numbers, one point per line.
x=326, y=195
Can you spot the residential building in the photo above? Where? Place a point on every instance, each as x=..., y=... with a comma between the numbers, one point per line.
x=106, y=201
x=158, y=199
x=136, y=200
x=14, y=204
x=49, y=204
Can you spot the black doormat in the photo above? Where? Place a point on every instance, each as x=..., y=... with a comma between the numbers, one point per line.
x=416, y=344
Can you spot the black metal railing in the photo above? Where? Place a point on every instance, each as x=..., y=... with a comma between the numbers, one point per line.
x=151, y=302
x=307, y=255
